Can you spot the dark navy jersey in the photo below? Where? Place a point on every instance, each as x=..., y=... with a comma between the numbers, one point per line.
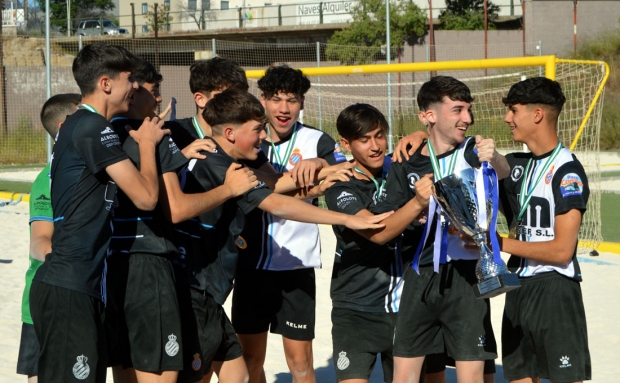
x=82, y=197
x=400, y=188
x=209, y=243
x=135, y=230
x=366, y=276
x=564, y=187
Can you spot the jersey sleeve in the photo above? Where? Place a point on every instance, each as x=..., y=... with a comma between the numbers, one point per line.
x=170, y=156
x=40, y=200
x=470, y=155
x=342, y=197
x=329, y=150
x=97, y=143
x=570, y=188
x=181, y=136
x=253, y=197
x=398, y=189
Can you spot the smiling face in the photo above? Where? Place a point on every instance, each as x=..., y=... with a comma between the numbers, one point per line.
x=368, y=150
x=282, y=110
x=121, y=91
x=448, y=120
x=247, y=139
x=520, y=118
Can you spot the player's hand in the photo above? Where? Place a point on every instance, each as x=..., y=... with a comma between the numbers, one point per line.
x=239, y=179
x=343, y=175
x=357, y=222
x=423, y=216
x=468, y=242
x=151, y=131
x=304, y=172
x=200, y=145
x=407, y=145
x=486, y=149
x=424, y=189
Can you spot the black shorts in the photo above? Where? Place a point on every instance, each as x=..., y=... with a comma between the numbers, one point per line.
x=283, y=302
x=28, y=356
x=142, y=313
x=544, y=330
x=208, y=334
x=438, y=362
x=69, y=326
x=440, y=310
x=357, y=338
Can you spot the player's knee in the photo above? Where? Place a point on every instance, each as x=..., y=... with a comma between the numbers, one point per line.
x=300, y=365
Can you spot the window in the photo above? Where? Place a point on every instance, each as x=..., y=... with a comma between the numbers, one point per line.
x=206, y=5
x=145, y=28
x=167, y=3
x=191, y=4
x=223, y=5
x=145, y=8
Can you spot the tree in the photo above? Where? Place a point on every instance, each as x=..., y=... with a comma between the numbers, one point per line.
x=467, y=15
x=80, y=9
x=199, y=16
x=163, y=17
x=368, y=29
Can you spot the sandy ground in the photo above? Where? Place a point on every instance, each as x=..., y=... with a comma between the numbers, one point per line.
x=600, y=286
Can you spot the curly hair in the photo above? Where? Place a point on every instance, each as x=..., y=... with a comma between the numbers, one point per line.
x=536, y=90
x=283, y=79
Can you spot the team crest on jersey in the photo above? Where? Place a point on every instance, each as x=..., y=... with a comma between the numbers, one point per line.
x=517, y=173
x=241, y=243
x=338, y=155
x=412, y=178
x=295, y=157
x=549, y=176
x=172, y=347
x=343, y=361
x=570, y=185
x=81, y=369
x=196, y=363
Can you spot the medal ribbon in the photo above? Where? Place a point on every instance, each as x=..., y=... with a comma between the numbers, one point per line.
x=526, y=195
x=90, y=108
x=377, y=187
x=436, y=168
x=289, y=149
x=197, y=127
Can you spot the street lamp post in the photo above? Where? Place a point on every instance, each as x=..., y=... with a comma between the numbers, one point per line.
x=68, y=18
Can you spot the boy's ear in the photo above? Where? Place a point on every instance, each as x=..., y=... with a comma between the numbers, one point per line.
x=229, y=133
x=200, y=99
x=105, y=84
x=345, y=144
x=539, y=114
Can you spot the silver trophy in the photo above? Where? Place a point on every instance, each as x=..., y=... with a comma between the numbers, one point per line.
x=456, y=194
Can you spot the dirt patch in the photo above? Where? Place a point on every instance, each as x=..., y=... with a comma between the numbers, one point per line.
x=27, y=52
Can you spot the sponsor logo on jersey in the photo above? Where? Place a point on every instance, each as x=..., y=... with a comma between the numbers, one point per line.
x=343, y=361
x=570, y=185
x=108, y=130
x=482, y=341
x=412, y=178
x=517, y=173
x=81, y=369
x=172, y=347
x=260, y=185
x=42, y=197
x=338, y=155
x=344, y=199
x=565, y=362
x=344, y=194
x=241, y=243
x=109, y=138
x=295, y=157
x=549, y=176
x=196, y=363
x=172, y=146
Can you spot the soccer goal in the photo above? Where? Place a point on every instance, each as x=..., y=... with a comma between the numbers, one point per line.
x=393, y=89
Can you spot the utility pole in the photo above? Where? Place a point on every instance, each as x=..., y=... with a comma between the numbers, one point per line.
x=69, y=18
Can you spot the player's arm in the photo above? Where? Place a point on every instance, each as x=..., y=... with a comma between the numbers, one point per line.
x=408, y=145
x=559, y=250
x=398, y=222
x=179, y=207
x=296, y=210
x=487, y=152
x=41, y=239
x=283, y=183
x=142, y=187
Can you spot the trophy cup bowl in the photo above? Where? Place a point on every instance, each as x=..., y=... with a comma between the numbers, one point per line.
x=457, y=196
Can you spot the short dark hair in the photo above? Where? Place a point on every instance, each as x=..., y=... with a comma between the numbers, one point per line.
x=357, y=120
x=215, y=74
x=283, y=79
x=56, y=109
x=232, y=106
x=536, y=90
x=438, y=87
x=98, y=59
x=146, y=72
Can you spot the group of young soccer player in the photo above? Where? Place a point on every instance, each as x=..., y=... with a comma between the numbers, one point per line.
x=140, y=229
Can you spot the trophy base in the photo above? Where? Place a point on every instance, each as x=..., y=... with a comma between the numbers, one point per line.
x=496, y=285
